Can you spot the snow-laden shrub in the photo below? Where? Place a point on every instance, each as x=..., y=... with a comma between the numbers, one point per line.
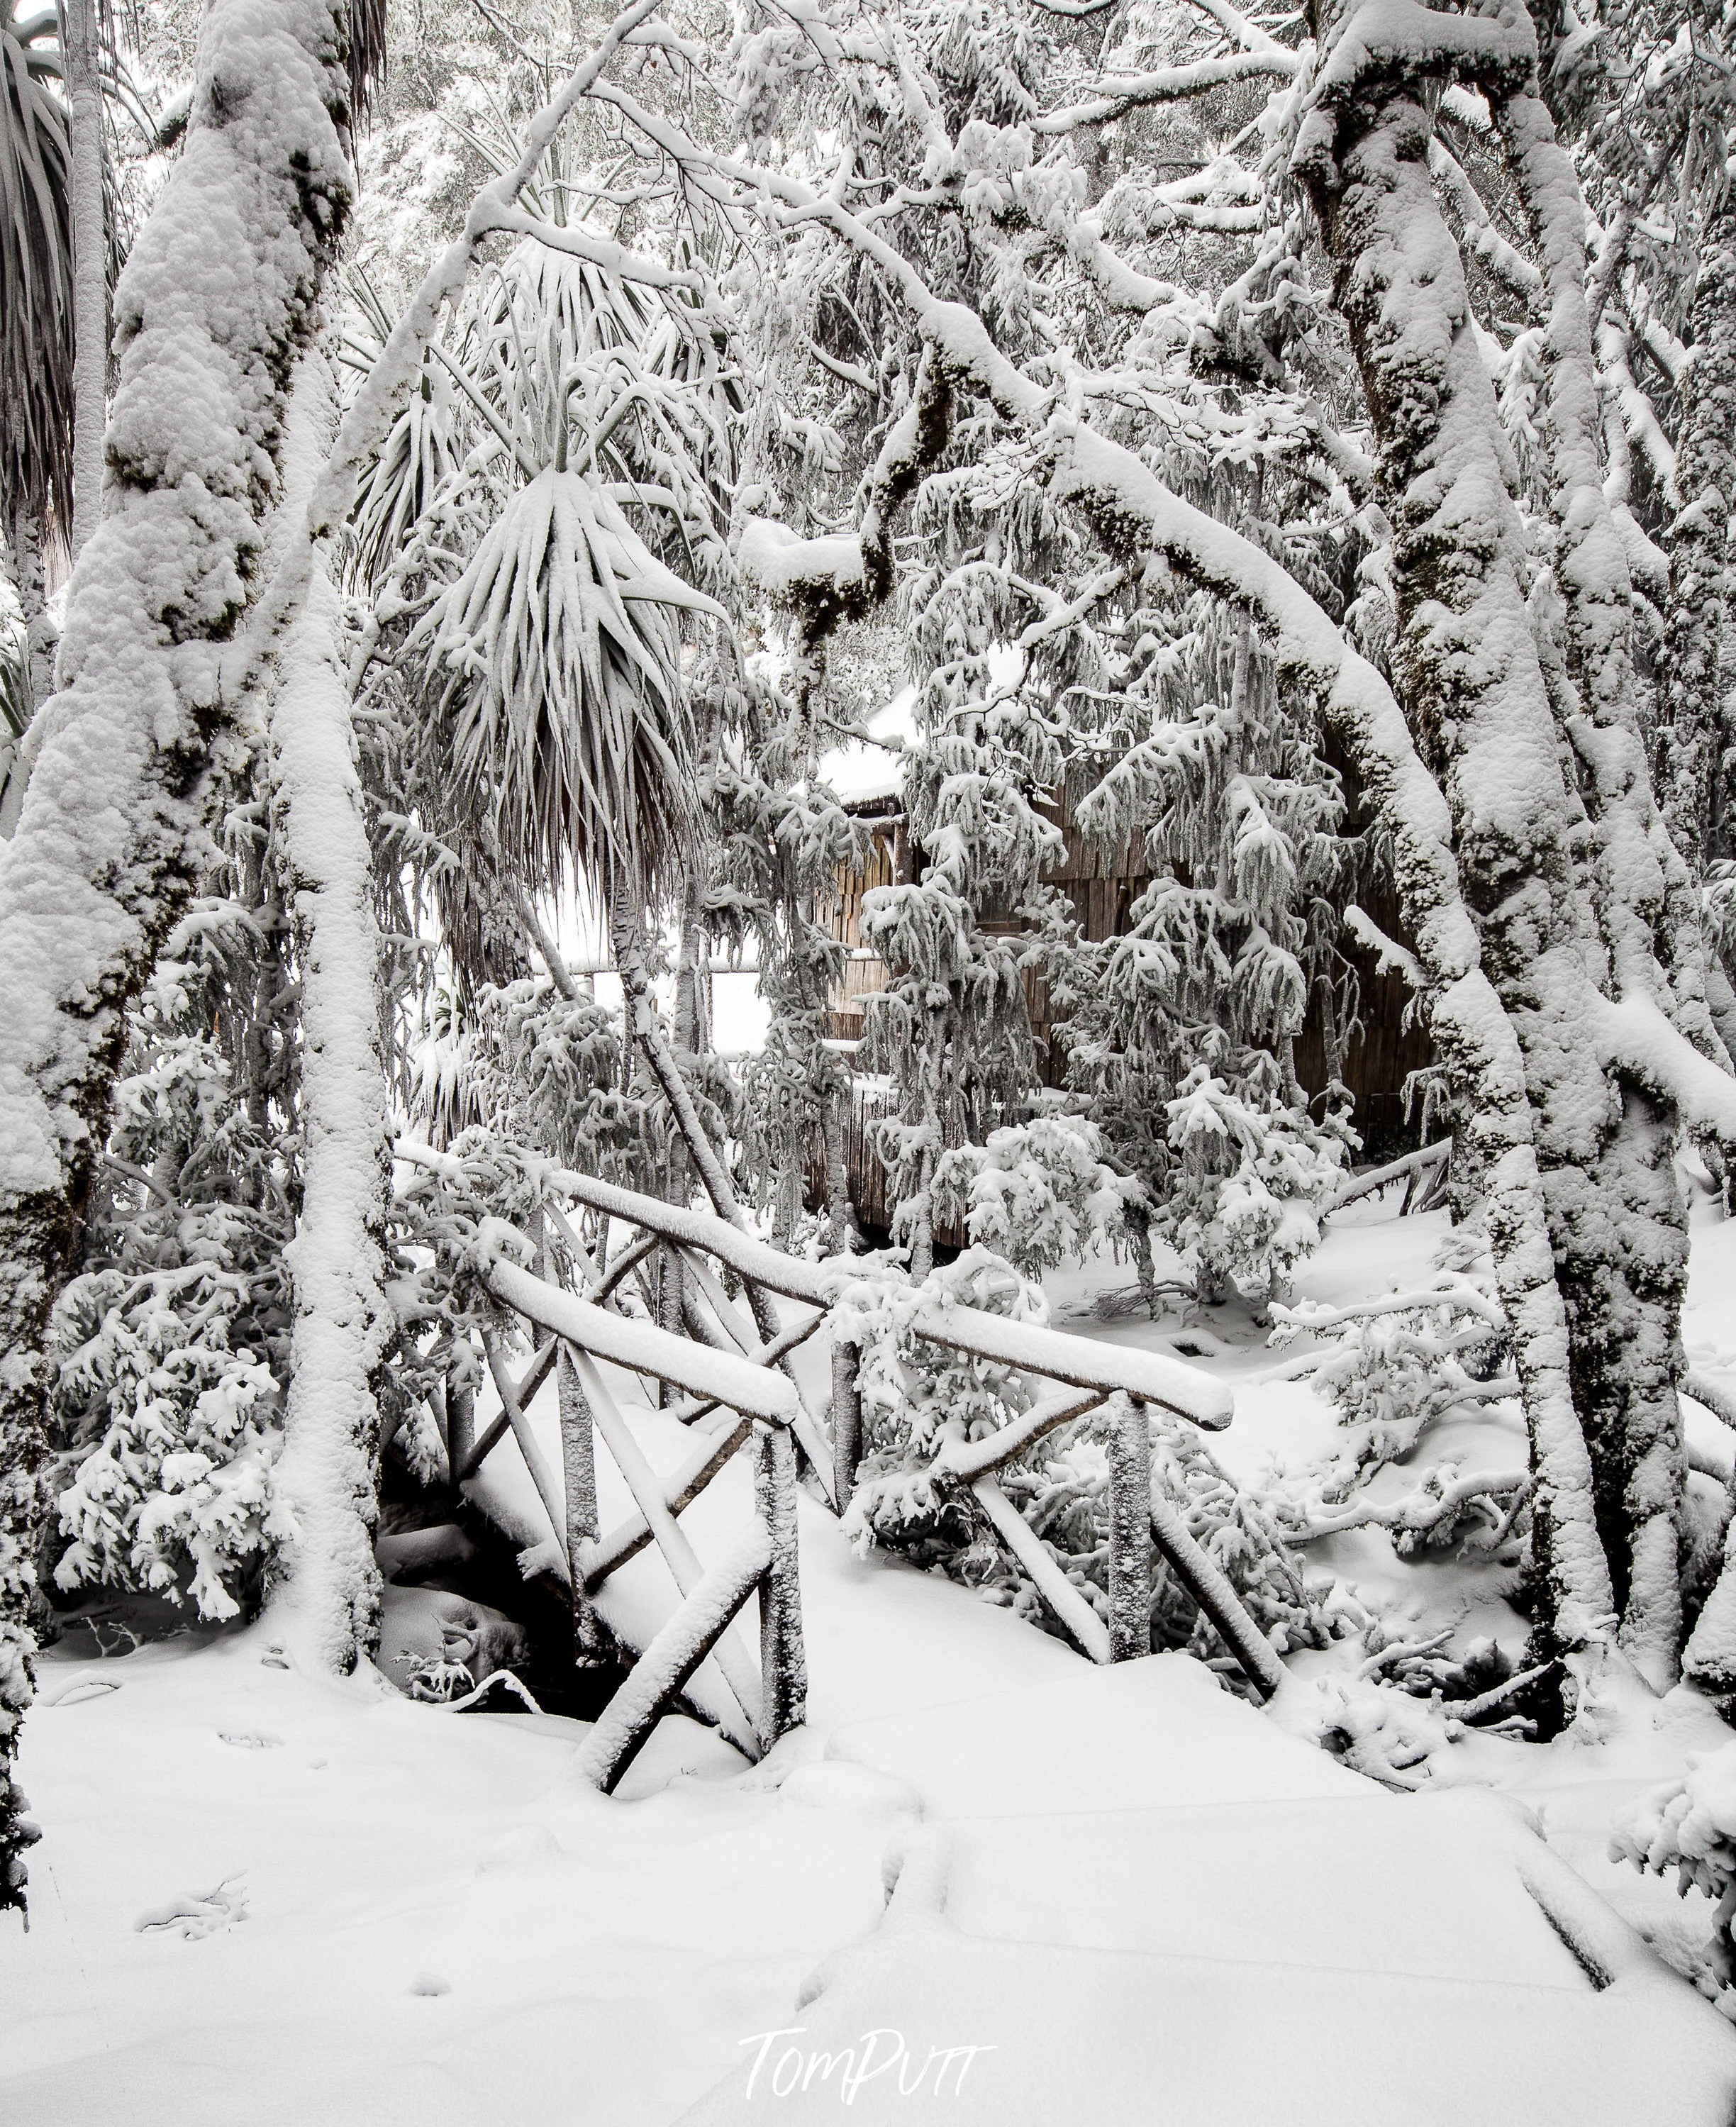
x=1243, y=1200
x=1037, y=1193
x=1689, y=1824
x=521, y=1059
x=175, y=1495
x=170, y=1351
x=1393, y=1367
x=919, y=1397
x=1062, y=1489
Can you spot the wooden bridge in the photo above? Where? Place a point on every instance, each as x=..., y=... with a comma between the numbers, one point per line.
x=730, y=1380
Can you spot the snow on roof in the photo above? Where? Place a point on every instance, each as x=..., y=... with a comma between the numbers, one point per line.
x=857, y=771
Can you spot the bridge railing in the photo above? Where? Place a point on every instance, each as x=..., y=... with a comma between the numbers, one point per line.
x=594, y=1237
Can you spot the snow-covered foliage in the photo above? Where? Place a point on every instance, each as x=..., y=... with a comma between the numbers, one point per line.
x=172, y=1348
x=1247, y=1185
x=175, y=1495
x=1392, y=1367
x=1689, y=1826
x=1037, y=1194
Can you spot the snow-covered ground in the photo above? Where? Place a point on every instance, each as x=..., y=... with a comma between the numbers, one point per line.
x=1115, y=1894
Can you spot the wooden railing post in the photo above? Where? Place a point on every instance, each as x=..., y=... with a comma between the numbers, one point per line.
x=579, y=1477
x=1130, y=1530
x=461, y=1425
x=782, y=1659
x=846, y=1420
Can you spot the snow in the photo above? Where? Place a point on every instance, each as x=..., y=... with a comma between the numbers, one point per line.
x=782, y=562
x=600, y=1958
x=857, y=770
x=1121, y=1887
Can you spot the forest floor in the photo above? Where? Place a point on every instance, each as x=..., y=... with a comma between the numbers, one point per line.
x=1114, y=1895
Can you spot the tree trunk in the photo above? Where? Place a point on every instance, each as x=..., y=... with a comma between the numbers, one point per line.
x=90, y=266
x=1622, y=1292
x=217, y=298
x=326, y=1591
x=1471, y=681
x=1697, y=730
x=1702, y=812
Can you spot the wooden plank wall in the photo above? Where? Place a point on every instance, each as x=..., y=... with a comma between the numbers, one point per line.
x=1378, y=1059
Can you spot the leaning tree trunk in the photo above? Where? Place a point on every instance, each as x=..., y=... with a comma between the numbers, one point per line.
x=90, y=266
x=325, y=1595
x=1467, y=664
x=219, y=294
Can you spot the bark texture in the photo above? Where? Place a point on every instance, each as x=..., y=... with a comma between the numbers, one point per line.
x=1700, y=796
x=1470, y=678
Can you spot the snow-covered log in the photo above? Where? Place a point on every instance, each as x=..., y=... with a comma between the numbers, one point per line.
x=782, y=1657
x=554, y=1505
x=216, y=299
x=1206, y=1582
x=1068, y=1605
x=579, y=1501
x=1153, y=1376
x=736, y=1670
x=980, y=1458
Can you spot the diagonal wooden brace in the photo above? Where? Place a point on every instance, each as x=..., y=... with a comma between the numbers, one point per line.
x=672, y=1657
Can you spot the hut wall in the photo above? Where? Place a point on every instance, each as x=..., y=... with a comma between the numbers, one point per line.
x=1379, y=1057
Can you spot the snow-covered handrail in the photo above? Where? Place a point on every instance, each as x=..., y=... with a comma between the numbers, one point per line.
x=701, y=1369
x=791, y=1276
x=754, y=1705
x=721, y=1363
x=1152, y=1376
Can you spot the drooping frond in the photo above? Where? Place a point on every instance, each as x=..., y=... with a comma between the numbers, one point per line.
x=420, y=451
x=36, y=274
x=367, y=54
x=555, y=663
x=16, y=705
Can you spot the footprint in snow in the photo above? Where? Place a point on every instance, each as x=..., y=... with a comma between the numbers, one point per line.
x=87, y=1687
x=201, y=1913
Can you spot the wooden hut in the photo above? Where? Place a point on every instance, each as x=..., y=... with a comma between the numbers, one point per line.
x=1379, y=1057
